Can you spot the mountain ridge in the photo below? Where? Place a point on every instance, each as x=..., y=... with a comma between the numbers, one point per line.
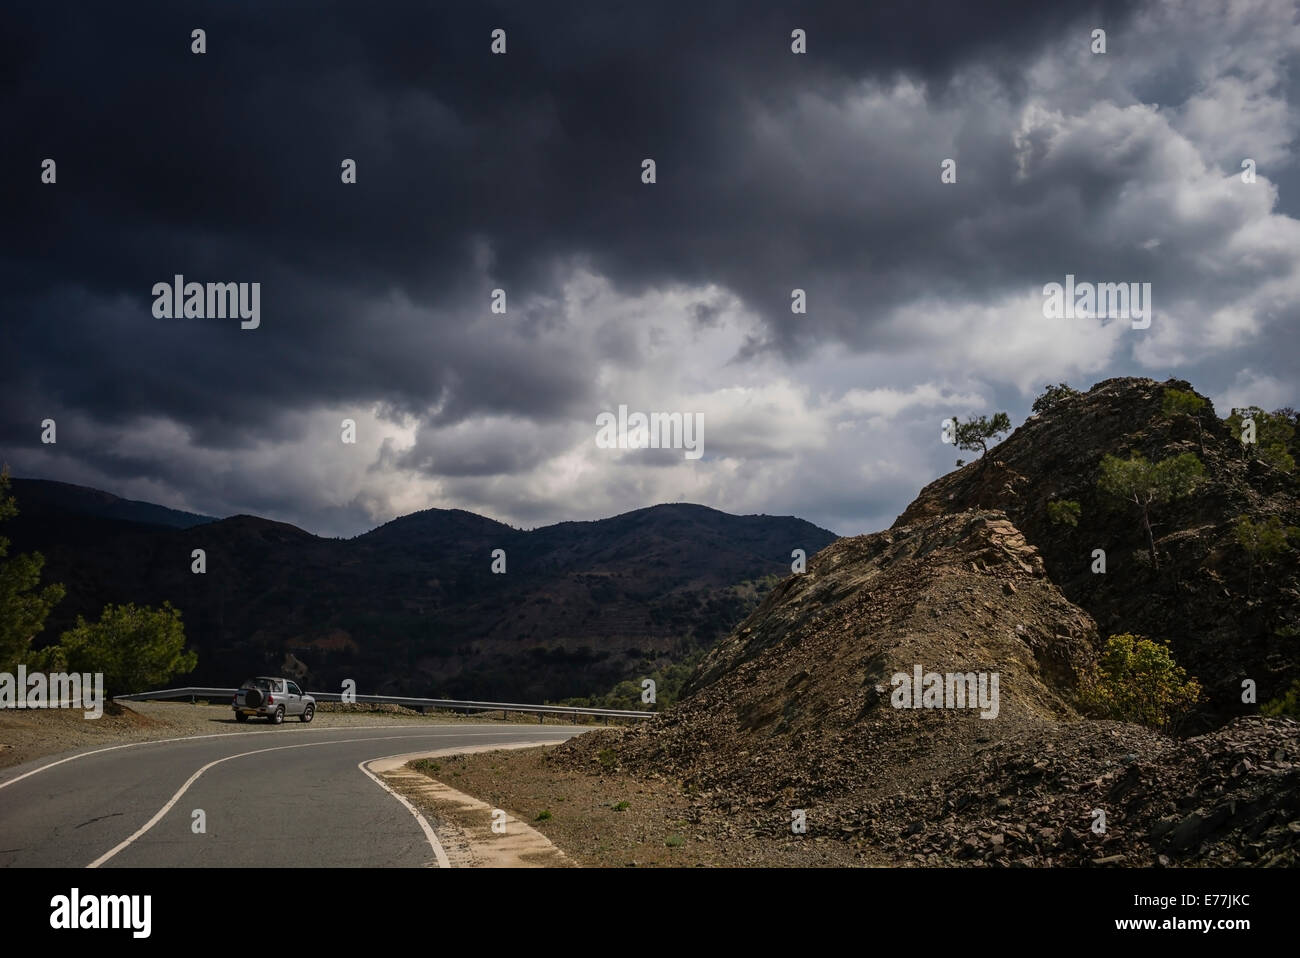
x=413, y=606
x=97, y=502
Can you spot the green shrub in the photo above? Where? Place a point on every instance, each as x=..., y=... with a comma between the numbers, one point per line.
x=136, y=647
x=1064, y=512
x=543, y=815
x=671, y=679
x=1179, y=402
x=675, y=841
x=1273, y=434
x=1287, y=705
x=1053, y=396
x=1137, y=680
x=621, y=807
x=1263, y=542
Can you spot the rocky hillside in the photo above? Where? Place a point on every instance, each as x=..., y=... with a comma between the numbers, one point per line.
x=793, y=702
x=1225, y=621
x=799, y=708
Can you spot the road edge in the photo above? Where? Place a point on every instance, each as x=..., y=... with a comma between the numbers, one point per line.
x=475, y=845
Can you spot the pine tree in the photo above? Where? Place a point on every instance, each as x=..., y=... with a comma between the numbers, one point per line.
x=1146, y=484
x=23, y=605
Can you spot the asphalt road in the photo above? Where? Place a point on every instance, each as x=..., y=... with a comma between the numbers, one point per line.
x=281, y=797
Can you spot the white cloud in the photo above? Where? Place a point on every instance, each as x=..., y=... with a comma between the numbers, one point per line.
x=1250, y=388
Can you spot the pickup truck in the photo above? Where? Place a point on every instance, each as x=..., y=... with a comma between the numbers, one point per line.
x=272, y=699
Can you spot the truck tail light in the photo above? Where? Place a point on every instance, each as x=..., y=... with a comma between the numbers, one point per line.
x=270, y=700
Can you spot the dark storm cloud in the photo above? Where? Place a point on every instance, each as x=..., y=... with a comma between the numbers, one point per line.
x=226, y=167
x=477, y=171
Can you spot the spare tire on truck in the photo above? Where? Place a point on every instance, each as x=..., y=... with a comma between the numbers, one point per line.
x=253, y=698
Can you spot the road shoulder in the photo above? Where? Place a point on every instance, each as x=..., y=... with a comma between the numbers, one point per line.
x=464, y=824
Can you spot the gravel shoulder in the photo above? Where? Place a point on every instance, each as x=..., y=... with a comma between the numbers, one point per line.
x=607, y=818
x=30, y=734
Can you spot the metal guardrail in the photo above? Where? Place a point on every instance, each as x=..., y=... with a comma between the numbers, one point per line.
x=194, y=692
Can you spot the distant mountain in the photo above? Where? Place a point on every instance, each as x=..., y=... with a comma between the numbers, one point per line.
x=413, y=606
x=66, y=497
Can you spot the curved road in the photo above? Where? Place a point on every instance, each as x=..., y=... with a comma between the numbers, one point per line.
x=281, y=797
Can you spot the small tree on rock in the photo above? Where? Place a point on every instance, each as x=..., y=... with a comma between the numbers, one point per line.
x=977, y=433
x=1180, y=402
x=1145, y=484
x=1053, y=396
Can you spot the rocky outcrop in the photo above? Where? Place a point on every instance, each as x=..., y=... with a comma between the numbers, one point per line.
x=1225, y=623
x=800, y=708
x=1108, y=794
x=799, y=702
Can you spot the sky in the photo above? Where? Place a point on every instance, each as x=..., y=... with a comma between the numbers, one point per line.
x=523, y=172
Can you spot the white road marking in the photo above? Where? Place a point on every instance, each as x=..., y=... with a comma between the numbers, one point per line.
x=438, y=851
x=158, y=816
x=195, y=738
x=183, y=738
x=391, y=762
